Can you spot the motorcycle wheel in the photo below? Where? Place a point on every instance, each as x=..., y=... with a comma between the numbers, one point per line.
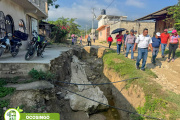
x=30, y=53
x=15, y=52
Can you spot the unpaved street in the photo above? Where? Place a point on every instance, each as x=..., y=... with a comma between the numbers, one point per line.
x=168, y=73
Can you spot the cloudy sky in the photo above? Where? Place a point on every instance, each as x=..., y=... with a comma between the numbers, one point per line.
x=81, y=9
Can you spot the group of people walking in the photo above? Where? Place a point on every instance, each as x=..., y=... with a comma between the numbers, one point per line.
x=74, y=40
x=143, y=42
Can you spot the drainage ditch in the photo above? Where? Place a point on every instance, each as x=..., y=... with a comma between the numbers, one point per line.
x=80, y=66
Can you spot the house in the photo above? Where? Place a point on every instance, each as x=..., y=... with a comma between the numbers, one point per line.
x=159, y=17
x=104, y=22
x=22, y=15
x=45, y=28
x=108, y=23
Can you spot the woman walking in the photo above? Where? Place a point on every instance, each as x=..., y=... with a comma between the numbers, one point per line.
x=173, y=44
x=120, y=40
x=110, y=40
x=94, y=39
x=72, y=40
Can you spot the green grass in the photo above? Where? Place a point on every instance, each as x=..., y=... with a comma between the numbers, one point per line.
x=3, y=90
x=114, y=44
x=103, y=42
x=159, y=103
x=177, y=52
x=40, y=75
x=3, y=103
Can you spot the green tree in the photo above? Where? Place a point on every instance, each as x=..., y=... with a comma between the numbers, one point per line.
x=53, y=3
x=174, y=13
x=63, y=27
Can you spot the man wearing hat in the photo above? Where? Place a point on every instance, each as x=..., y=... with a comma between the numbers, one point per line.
x=136, y=34
x=129, y=44
x=164, y=40
x=156, y=42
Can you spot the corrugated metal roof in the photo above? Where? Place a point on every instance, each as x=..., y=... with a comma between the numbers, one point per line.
x=155, y=15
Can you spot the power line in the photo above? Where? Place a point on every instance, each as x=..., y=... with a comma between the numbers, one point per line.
x=100, y=83
x=146, y=116
x=110, y=4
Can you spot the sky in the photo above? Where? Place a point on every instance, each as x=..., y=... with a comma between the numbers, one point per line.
x=82, y=9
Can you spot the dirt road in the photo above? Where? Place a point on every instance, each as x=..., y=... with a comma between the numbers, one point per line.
x=168, y=73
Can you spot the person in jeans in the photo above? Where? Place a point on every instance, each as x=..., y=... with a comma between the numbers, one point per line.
x=125, y=35
x=80, y=40
x=89, y=40
x=94, y=39
x=73, y=41
x=156, y=42
x=173, y=44
x=110, y=40
x=129, y=44
x=164, y=40
x=120, y=40
x=143, y=41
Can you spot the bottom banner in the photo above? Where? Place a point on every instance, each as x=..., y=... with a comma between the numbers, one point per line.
x=40, y=116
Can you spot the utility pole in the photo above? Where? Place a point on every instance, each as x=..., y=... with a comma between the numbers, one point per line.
x=84, y=33
x=86, y=29
x=93, y=19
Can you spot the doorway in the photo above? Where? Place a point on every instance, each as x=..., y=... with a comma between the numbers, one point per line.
x=9, y=24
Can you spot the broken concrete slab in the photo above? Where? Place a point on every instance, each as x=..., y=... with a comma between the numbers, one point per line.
x=79, y=103
x=38, y=85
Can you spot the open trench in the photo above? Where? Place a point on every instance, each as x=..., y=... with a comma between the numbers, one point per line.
x=80, y=66
x=89, y=60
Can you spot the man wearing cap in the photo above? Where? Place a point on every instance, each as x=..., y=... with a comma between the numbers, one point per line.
x=156, y=42
x=129, y=44
x=143, y=41
x=136, y=34
x=164, y=40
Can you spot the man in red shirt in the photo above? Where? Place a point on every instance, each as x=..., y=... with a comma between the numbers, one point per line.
x=110, y=39
x=164, y=40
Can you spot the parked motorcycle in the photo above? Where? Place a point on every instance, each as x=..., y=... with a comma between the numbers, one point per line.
x=12, y=46
x=37, y=44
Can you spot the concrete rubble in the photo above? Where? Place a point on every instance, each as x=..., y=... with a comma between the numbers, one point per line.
x=38, y=85
x=78, y=103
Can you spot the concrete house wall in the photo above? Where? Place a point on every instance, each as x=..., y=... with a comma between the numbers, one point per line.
x=106, y=25
x=139, y=26
x=30, y=11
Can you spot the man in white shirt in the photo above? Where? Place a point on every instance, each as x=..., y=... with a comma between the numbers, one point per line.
x=143, y=41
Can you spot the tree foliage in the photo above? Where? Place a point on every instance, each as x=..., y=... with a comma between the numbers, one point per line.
x=174, y=13
x=53, y=3
x=64, y=27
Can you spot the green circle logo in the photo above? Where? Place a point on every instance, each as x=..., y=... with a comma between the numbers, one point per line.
x=12, y=114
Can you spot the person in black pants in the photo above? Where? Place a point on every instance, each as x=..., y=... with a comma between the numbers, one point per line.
x=110, y=40
x=89, y=40
x=173, y=44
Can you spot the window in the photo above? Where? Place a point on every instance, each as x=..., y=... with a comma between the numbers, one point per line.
x=2, y=25
x=22, y=26
x=34, y=25
x=100, y=33
x=9, y=24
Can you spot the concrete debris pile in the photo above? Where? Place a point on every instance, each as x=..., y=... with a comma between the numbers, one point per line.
x=79, y=103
